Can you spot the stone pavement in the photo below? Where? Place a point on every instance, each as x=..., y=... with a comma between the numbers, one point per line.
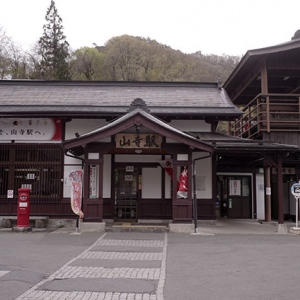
x=131, y=266
x=63, y=264
x=240, y=226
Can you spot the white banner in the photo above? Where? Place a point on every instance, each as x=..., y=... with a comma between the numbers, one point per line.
x=76, y=193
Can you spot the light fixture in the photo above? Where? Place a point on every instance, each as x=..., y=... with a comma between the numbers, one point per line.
x=138, y=151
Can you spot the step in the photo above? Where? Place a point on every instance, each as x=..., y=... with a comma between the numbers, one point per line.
x=135, y=227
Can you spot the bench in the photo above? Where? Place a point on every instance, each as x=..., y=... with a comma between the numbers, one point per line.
x=38, y=221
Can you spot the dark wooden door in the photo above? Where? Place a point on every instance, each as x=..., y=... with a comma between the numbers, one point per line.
x=234, y=196
x=239, y=197
x=126, y=193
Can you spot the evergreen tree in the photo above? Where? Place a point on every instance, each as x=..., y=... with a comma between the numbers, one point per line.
x=53, y=48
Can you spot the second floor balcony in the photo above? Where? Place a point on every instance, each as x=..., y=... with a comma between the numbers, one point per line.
x=268, y=113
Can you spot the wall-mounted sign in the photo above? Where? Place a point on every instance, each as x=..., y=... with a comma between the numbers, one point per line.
x=285, y=171
x=30, y=129
x=129, y=168
x=130, y=140
x=10, y=193
x=234, y=187
x=128, y=178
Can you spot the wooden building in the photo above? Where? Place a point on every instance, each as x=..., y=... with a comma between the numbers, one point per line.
x=147, y=149
x=266, y=86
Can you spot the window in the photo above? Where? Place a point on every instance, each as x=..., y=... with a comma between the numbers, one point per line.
x=36, y=167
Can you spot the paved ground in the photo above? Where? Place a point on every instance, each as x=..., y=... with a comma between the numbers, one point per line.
x=230, y=260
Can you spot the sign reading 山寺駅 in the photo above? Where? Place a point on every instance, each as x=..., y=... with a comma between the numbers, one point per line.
x=30, y=129
x=143, y=140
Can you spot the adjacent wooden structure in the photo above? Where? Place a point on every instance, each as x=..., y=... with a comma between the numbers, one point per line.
x=266, y=86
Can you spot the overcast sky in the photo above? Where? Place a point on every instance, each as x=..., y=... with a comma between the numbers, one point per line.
x=211, y=26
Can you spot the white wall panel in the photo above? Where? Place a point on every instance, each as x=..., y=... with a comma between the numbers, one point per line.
x=138, y=158
x=191, y=125
x=107, y=176
x=203, y=176
x=151, y=182
x=82, y=126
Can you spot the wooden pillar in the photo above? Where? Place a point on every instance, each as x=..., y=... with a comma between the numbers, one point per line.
x=264, y=78
x=280, y=190
x=267, y=173
x=182, y=208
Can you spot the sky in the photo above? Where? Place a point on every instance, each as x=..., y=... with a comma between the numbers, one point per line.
x=221, y=27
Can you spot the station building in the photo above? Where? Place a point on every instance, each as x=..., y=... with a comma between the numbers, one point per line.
x=147, y=151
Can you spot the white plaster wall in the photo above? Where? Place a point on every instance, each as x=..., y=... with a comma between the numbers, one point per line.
x=168, y=187
x=72, y=160
x=191, y=125
x=83, y=126
x=107, y=176
x=260, y=197
x=151, y=182
x=203, y=176
x=138, y=158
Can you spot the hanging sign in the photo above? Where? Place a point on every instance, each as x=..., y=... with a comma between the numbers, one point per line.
x=133, y=141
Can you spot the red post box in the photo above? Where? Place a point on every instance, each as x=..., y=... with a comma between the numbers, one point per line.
x=23, y=207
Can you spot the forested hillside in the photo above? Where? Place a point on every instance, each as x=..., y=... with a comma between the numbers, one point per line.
x=123, y=58
x=129, y=58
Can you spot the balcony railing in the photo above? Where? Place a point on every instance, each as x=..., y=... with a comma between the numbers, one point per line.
x=267, y=113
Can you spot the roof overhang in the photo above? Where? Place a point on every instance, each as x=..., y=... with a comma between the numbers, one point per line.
x=137, y=117
x=282, y=62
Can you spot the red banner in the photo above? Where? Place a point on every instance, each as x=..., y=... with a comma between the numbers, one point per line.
x=168, y=167
x=76, y=192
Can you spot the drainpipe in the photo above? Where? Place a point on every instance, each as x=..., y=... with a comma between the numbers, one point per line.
x=195, y=203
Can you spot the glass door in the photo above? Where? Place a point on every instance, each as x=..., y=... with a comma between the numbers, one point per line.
x=126, y=193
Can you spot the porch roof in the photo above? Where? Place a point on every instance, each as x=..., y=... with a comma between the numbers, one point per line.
x=112, y=99
x=140, y=118
x=229, y=143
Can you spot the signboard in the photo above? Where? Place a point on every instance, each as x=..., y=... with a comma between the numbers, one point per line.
x=133, y=141
x=285, y=171
x=10, y=193
x=234, y=187
x=295, y=190
x=129, y=168
x=30, y=129
x=93, y=181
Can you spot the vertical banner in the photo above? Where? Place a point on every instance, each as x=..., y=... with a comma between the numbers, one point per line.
x=93, y=182
x=76, y=192
x=168, y=167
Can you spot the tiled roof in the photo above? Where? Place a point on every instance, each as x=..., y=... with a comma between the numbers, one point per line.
x=113, y=98
x=223, y=142
x=113, y=127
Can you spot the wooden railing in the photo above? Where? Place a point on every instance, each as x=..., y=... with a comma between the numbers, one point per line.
x=267, y=113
